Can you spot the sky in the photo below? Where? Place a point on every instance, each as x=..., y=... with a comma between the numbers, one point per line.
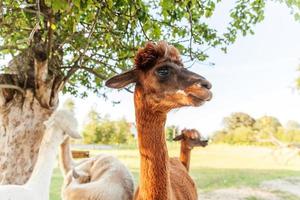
x=256, y=76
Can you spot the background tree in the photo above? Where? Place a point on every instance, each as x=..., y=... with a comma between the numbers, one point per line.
x=73, y=46
x=106, y=131
x=91, y=127
x=292, y=125
x=266, y=130
x=171, y=132
x=238, y=119
x=238, y=129
x=267, y=124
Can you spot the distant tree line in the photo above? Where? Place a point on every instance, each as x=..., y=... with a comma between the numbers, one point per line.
x=171, y=131
x=103, y=130
x=242, y=129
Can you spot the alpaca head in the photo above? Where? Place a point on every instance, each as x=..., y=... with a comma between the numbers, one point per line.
x=162, y=82
x=192, y=138
x=80, y=176
x=62, y=124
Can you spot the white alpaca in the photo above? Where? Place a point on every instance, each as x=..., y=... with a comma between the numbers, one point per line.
x=102, y=177
x=60, y=124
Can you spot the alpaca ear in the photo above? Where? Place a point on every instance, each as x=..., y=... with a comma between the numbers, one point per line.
x=178, y=137
x=183, y=130
x=75, y=174
x=73, y=134
x=122, y=80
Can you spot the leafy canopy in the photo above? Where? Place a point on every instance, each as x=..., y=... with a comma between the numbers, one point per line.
x=88, y=40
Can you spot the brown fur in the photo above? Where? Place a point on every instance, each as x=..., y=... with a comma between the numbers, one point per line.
x=179, y=181
x=160, y=177
x=162, y=84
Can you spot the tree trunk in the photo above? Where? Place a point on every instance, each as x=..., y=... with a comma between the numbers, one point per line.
x=21, y=132
x=28, y=96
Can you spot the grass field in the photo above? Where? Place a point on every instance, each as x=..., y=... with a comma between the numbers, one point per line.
x=214, y=167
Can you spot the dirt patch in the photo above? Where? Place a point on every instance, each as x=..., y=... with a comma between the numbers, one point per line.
x=289, y=185
x=239, y=194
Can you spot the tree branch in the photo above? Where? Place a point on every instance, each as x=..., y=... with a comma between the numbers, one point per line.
x=72, y=71
x=9, y=47
x=34, y=12
x=81, y=55
x=50, y=34
x=191, y=28
x=110, y=58
x=34, y=30
x=9, y=84
x=144, y=32
x=88, y=69
x=89, y=37
x=43, y=83
x=14, y=87
x=101, y=63
x=40, y=67
x=37, y=25
x=92, y=71
x=110, y=67
x=128, y=90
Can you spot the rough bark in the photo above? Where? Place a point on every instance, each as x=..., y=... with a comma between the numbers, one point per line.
x=21, y=132
x=28, y=96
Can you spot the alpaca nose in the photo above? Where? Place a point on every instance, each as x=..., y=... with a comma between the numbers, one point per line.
x=206, y=141
x=193, y=78
x=205, y=83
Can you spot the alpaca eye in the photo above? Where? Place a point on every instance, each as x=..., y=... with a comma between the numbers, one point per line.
x=163, y=72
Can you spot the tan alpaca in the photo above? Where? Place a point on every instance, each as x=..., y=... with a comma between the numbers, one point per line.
x=161, y=84
x=189, y=138
x=102, y=177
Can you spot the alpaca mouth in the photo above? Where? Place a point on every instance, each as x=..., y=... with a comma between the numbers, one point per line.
x=203, y=143
x=198, y=94
x=199, y=143
x=199, y=100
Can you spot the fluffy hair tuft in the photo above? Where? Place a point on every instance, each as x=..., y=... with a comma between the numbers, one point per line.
x=152, y=53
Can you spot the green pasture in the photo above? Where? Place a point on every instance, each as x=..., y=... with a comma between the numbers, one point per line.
x=214, y=167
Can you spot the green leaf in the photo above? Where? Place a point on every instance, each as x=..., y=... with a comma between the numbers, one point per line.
x=59, y=5
x=76, y=3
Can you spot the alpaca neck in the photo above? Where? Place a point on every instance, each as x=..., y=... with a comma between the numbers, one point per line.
x=65, y=158
x=185, y=154
x=41, y=176
x=154, y=169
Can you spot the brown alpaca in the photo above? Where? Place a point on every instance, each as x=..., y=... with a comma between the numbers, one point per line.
x=161, y=84
x=189, y=138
